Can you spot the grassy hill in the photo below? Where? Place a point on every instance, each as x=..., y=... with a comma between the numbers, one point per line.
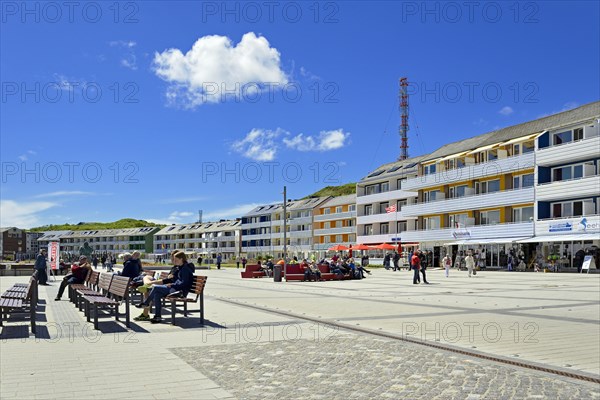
x=85, y=226
x=335, y=191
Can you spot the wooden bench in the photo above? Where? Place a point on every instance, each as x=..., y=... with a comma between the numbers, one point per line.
x=74, y=287
x=252, y=271
x=18, y=299
x=198, y=290
x=118, y=292
x=97, y=285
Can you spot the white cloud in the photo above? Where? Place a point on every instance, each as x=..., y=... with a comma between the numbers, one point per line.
x=74, y=85
x=122, y=43
x=22, y=215
x=23, y=157
x=130, y=62
x=176, y=217
x=65, y=193
x=182, y=200
x=506, y=110
x=325, y=141
x=259, y=144
x=213, y=64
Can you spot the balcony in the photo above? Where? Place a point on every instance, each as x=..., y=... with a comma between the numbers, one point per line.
x=373, y=239
x=569, y=152
x=588, y=186
x=479, y=201
x=446, y=235
x=330, y=217
x=257, y=236
x=470, y=172
x=300, y=220
x=335, y=231
x=300, y=234
x=383, y=217
x=385, y=196
x=256, y=225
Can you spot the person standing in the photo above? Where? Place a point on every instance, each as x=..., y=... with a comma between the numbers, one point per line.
x=244, y=261
x=470, y=263
x=396, y=260
x=424, y=263
x=95, y=261
x=40, y=267
x=447, y=262
x=219, y=259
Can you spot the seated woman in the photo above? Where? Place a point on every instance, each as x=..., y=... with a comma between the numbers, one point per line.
x=351, y=267
x=149, y=280
x=78, y=274
x=180, y=287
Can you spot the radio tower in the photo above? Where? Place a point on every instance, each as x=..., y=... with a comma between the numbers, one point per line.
x=403, y=119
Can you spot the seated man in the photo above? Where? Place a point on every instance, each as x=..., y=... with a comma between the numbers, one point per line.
x=180, y=287
x=78, y=273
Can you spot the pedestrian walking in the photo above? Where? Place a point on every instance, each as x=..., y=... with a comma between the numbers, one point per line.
x=396, y=261
x=447, y=262
x=415, y=264
x=470, y=264
x=219, y=259
x=244, y=261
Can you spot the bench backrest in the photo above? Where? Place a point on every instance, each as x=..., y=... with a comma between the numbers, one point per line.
x=198, y=285
x=163, y=275
x=31, y=288
x=104, y=281
x=294, y=269
x=93, y=278
x=119, y=287
x=252, y=267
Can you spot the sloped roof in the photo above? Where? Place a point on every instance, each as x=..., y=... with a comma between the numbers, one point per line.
x=585, y=112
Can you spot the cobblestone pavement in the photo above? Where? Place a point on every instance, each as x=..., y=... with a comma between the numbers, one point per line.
x=352, y=366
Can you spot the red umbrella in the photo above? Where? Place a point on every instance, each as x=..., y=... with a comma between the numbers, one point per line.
x=362, y=247
x=385, y=246
x=337, y=247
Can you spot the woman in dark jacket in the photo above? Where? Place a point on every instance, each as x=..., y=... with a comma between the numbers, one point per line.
x=180, y=287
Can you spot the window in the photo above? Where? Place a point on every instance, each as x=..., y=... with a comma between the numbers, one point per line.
x=326, y=211
x=371, y=189
x=492, y=155
x=523, y=214
x=516, y=149
x=399, y=182
x=578, y=134
x=528, y=147
x=563, y=137
x=384, y=228
x=458, y=191
x=431, y=223
x=401, y=226
x=489, y=186
x=338, y=238
x=385, y=187
x=490, y=217
x=458, y=220
x=369, y=209
x=352, y=207
x=572, y=171
x=572, y=208
x=429, y=169
x=327, y=225
x=480, y=157
x=382, y=207
x=523, y=181
x=368, y=230
x=400, y=204
x=338, y=209
x=432, y=195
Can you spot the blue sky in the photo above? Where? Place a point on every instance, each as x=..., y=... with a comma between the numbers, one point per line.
x=155, y=110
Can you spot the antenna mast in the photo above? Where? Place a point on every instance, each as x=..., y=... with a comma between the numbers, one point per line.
x=403, y=119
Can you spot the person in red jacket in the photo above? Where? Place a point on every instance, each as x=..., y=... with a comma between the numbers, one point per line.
x=415, y=262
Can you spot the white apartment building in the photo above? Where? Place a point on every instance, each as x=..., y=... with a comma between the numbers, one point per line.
x=383, y=188
x=262, y=229
x=334, y=223
x=207, y=239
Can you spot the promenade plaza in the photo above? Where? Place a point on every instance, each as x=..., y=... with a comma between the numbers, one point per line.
x=264, y=339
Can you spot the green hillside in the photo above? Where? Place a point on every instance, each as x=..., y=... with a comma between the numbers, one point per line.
x=85, y=226
x=335, y=191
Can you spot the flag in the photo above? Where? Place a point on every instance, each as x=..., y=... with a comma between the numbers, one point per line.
x=390, y=209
